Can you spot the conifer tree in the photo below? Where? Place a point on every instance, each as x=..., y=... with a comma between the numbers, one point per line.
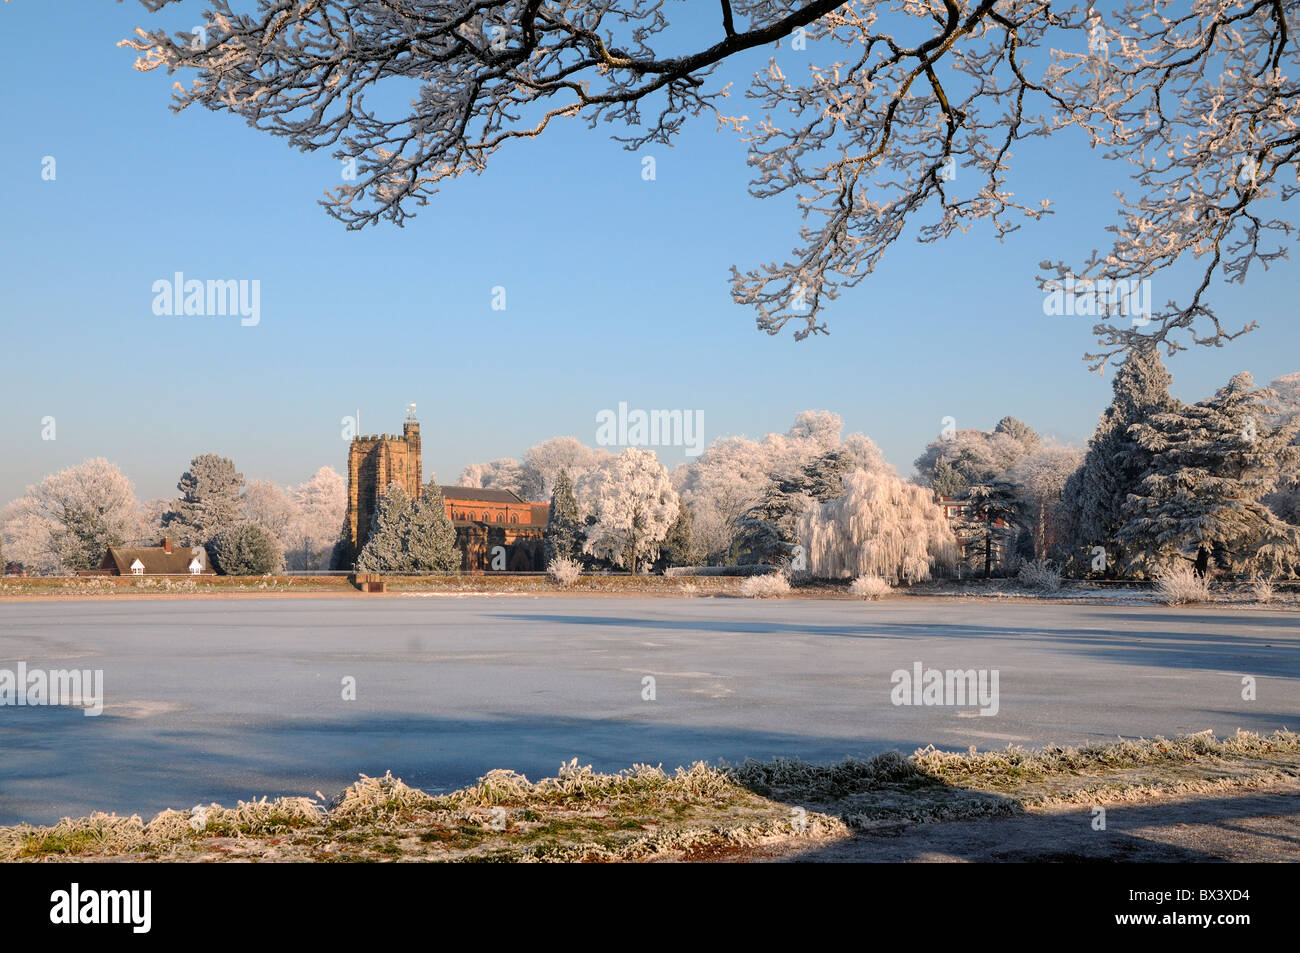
x=1202, y=499
x=563, y=537
x=209, y=501
x=430, y=540
x=1115, y=464
x=385, y=549
x=678, y=547
x=993, y=518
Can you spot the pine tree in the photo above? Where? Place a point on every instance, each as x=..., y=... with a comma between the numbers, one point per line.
x=385, y=549
x=209, y=501
x=563, y=536
x=948, y=480
x=247, y=549
x=993, y=519
x=678, y=547
x=1115, y=464
x=1211, y=466
x=430, y=540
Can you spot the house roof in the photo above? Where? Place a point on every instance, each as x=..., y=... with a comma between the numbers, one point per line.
x=155, y=559
x=474, y=494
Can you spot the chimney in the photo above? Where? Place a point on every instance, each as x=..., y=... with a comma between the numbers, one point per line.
x=167, y=545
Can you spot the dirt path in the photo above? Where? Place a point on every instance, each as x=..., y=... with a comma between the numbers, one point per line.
x=1262, y=825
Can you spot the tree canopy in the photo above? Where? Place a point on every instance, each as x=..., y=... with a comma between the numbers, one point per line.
x=1198, y=99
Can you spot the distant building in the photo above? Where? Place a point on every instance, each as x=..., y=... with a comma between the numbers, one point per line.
x=164, y=560
x=15, y=569
x=970, y=532
x=484, y=519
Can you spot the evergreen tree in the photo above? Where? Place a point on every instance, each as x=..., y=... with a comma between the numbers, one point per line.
x=430, y=541
x=678, y=547
x=563, y=537
x=246, y=549
x=209, y=501
x=385, y=549
x=1115, y=463
x=948, y=480
x=1211, y=465
x=993, y=519
x=1018, y=431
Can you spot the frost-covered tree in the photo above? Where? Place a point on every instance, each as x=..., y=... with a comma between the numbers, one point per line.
x=209, y=500
x=1284, y=412
x=1284, y=406
x=632, y=506
x=1115, y=463
x=1211, y=465
x=562, y=538
x=247, y=549
x=270, y=507
x=430, y=538
x=385, y=549
x=66, y=522
x=1041, y=478
x=734, y=475
x=152, y=513
x=880, y=526
x=503, y=474
x=963, y=458
x=766, y=532
x=320, y=506
x=906, y=114
x=544, y=462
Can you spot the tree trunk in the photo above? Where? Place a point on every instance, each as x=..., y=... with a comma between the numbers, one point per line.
x=1202, y=561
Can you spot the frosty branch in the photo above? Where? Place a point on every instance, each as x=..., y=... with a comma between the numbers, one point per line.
x=1189, y=92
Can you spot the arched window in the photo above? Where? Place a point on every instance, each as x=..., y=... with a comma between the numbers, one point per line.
x=501, y=517
x=514, y=517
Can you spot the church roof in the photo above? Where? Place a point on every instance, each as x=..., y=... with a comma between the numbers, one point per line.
x=474, y=493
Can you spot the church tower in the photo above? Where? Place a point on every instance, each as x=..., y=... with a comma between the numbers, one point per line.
x=373, y=463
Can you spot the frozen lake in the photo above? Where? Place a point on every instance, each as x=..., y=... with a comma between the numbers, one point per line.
x=226, y=699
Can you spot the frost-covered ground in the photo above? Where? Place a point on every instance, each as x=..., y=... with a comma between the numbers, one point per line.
x=218, y=700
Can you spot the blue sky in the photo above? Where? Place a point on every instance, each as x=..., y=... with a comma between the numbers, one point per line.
x=616, y=290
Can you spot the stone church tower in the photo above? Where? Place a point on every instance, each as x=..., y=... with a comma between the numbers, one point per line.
x=373, y=463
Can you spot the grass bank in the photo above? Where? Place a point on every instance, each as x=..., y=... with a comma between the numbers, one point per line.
x=645, y=813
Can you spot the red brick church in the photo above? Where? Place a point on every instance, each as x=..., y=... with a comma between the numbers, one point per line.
x=484, y=519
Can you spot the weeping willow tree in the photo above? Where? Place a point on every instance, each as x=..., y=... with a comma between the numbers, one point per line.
x=880, y=526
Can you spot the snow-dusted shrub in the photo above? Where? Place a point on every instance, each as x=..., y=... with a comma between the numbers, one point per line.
x=869, y=587
x=881, y=526
x=764, y=587
x=689, y=589
x=1263, y=590
x=1039, y=574
x=564, y=572
x=1180, y=584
